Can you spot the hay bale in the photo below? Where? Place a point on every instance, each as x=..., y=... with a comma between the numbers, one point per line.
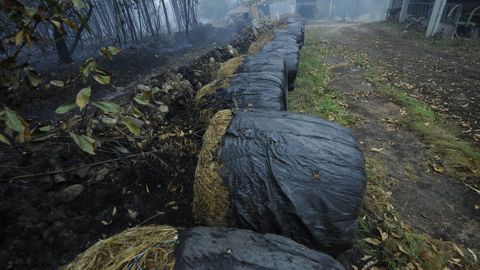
x=212, y=200
x=204, y=100
x=204, y=97
x=298, y=30
x=265, y=62
x=263, y=39
x=286, y=45
x=261, y=90
x=283, y=173
x=229, y=68
x=150, y=247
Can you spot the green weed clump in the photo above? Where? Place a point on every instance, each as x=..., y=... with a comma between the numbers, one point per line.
x=451, y=155
x=311, y=95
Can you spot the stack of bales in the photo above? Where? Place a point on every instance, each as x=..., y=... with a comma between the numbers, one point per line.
x=272, y=171
x=285, y=44
x=259, y=81
x=298, y=30
x=262, y=85
x=269, y=173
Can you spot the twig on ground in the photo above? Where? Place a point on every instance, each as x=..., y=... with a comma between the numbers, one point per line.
x=472, y=188
x=150, y=218
x=65, y=170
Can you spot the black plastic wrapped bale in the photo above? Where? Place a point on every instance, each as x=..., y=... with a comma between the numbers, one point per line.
x=261, y=90
x=263, y=62
x=166, y=248
x=286, y=36
x=298, y=30
x=222, y=248
x=290, y=53
x=283, y=173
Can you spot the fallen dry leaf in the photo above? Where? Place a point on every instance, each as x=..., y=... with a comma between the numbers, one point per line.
x=378, y=150
x=366, y=258
x=372, y=241
x=402, y=249
x=411, y=266
x=459, y=250
x=438, y=168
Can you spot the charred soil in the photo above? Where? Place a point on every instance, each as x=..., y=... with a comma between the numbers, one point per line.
x=56, y=201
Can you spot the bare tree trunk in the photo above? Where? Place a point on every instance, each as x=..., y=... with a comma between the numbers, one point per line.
x=193, y=14
x=103, y=14
x=139, y=17
x=147, y=16
x=133, y=31
x=98, y=27
x=62, y=48
x=178, y=14
x=118, y=23
x=186, y=15
x=157, y=16
x=166, y=17
x=78, y=35
x=122, y=21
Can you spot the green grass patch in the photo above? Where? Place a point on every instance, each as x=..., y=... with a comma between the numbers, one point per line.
x=450, y=154
x=312, y=95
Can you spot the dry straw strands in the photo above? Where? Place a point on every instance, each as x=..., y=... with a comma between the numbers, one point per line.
x=149, y=247
x=211, y=199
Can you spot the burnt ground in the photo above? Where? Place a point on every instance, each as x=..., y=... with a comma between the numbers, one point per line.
x=445, y=74
x=429, y=202
x=56, y=201
x=131, y=65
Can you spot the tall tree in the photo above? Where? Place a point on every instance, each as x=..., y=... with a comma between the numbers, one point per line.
x=61, y=46
x=166, y=17
x=147, y=15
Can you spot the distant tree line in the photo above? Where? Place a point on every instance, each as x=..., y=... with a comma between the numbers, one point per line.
x=70, y=23
x=101, y=25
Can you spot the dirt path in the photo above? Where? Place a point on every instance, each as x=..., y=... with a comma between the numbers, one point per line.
x=428, y=201
x=444, y=75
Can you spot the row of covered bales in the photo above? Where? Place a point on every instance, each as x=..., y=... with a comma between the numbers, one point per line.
x=273, y=189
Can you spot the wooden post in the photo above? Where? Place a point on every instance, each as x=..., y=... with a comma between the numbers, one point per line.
x=435, y=19
x=404, y=12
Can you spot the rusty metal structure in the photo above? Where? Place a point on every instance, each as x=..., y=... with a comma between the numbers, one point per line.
x=451, y=17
